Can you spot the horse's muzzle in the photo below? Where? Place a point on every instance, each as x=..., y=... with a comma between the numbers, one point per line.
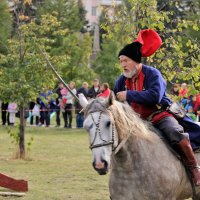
x=101, y=168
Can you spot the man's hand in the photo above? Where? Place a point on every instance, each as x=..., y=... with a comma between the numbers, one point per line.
x=121, y=96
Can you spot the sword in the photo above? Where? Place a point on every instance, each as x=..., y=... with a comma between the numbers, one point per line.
x=56, y=73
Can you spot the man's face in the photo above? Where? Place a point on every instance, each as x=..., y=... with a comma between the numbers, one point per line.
x=71, y=85
x=85, y=85
x=176, y=88
x=96, y=83
x=129, y=66
x=60, y=85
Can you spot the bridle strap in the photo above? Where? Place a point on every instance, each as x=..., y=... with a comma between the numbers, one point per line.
x=101, y=144
x=98, y=131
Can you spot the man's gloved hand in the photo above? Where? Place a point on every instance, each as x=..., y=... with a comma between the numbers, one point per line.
x=121, y=96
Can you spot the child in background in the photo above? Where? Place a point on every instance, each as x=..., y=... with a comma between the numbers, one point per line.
x=191, y=114
x=175, y=90
x=183, y=90
x=105, y=91
x=12, y=109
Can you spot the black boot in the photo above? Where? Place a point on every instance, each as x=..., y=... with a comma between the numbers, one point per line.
x=188, y=157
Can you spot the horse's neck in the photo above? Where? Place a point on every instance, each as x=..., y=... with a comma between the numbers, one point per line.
x=142, y=166
x=137, y=152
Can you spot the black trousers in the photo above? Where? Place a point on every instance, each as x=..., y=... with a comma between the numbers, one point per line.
x=47, y=115
x=4, y=113
x=171, y=129
x=67, y=115
x=36, y=120
x=58, y=116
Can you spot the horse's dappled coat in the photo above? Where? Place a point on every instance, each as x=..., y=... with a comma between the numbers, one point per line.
x=143, y=168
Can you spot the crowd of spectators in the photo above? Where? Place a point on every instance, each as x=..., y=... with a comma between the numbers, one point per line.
x=64, y=105
x=191, y=103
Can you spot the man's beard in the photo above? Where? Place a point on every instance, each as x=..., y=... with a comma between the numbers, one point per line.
x=129, y=74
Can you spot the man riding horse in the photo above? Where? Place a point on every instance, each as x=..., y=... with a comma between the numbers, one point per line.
x=144, y=88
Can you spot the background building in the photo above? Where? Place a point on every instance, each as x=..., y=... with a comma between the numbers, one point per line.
x=93, y=11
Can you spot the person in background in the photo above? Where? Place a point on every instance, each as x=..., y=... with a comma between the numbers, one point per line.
x=105, y=91
x=4, y=113
x=40, y=102
x=190, y=113
x=94, y=90
x=183, y=90
x=31, y=106
x=12, y=109
x=196, y=102
x=198, y=113
x=69, y=105
x=58, y=99
x=62, y=103
x=78, y=108
x=183, y=102
x=175, y=90
x=190, y=102
x=49, y=108
x=47, y=112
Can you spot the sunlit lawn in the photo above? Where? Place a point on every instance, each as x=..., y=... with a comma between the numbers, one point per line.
x=60, y=166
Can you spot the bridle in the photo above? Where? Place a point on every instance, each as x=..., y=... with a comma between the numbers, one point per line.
x=98, y=132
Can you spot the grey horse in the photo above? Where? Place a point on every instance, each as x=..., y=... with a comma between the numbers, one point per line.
x=142, y=166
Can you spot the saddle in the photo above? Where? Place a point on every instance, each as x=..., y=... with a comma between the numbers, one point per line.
x=166, y=142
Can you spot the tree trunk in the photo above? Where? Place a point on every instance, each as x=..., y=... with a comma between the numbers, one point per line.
x=21, y=134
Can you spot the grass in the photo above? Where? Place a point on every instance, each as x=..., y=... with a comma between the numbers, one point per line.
x=60, y=165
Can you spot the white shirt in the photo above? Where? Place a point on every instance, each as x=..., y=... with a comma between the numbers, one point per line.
x=69, y=97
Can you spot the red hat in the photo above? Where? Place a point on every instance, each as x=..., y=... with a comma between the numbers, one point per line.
x=150, y=41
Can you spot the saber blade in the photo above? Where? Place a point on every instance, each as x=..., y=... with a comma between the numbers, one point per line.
x=56, y=73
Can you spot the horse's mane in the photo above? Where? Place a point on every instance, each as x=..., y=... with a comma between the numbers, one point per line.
x=127, y=122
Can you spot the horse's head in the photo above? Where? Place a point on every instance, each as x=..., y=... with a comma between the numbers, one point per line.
x=102, y=133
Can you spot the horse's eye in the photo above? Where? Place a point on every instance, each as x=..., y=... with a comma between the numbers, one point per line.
x=108, y=124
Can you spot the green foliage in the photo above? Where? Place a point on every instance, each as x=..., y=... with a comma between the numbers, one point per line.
x=22, y=66
x=5, y=25
x=178, y=58
x=76, y=46
x=24, y=73
x=70, y=13
x=105, y=63
x=14, y=135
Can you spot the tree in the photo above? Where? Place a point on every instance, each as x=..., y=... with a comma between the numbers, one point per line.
x=105, y=64
x=71, y=13
x=78, y=45
x=5, y=25
x=24, y=69
x=173, y=59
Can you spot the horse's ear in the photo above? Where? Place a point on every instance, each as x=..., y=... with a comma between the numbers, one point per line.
x=82, y=100
x=111, y=98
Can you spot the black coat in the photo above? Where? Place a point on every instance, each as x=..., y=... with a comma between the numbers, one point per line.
x=92, y=93
x=79, y=91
